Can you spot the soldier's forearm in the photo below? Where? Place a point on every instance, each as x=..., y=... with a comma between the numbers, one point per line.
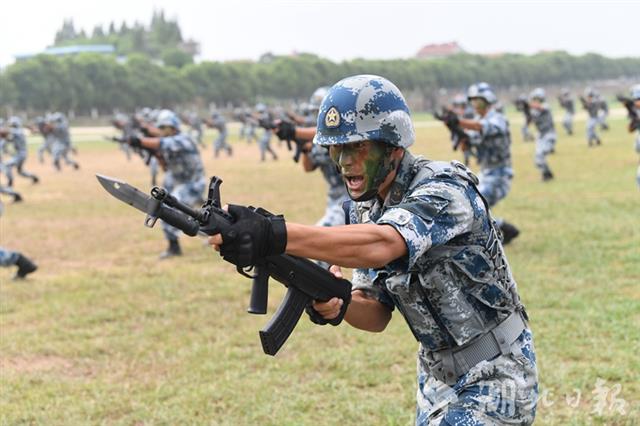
x=367, y=314
x=351, y=246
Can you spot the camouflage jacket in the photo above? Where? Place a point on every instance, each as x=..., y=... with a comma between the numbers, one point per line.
x=493, y=147
x=454, y=283
x=182, y=158
x=543, y=120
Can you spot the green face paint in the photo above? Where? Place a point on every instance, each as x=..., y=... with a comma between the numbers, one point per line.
x=363, y=165
x=479, y=105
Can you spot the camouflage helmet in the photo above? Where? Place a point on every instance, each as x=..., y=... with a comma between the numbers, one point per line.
x=261, y=107
x=459, y=100
x=15, y=122
x=166, y=117
x=538, y=93
x=483, y=91
x=635, y=92
x=589, y=91
x=316, y=99
x=565, y=91
x=364, y=107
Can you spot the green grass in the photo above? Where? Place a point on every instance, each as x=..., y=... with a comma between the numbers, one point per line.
x=103, y=333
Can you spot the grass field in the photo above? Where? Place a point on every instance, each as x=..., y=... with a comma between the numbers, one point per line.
x=103, y=333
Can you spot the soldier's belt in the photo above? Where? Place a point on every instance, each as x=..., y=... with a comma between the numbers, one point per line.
x=450, y=364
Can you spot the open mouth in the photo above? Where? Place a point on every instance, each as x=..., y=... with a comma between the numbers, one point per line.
x=354, y=182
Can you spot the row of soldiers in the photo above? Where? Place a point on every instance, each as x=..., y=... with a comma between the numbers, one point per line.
x=537, y=111
x=592, y=101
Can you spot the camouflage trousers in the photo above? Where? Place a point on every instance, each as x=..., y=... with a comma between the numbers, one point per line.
x=17, y=162
x=265, y=145
x=503, y=390
x=220, y=143
x=545, y=145
x=60, y=151
x=186, y=192
x=592, y=135
x=567, y=122
x=45, y=147
x=8, y=257
x=495, y=184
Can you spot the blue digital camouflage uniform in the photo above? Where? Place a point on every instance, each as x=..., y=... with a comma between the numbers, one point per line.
x=195, y=122
x=569, y=110
x=264, y=143
x=546, y=141
x=8, y=257
x=453, y=287
x=220, y=143
x=603, y=112
x=592, y=123
x=184, y=177
x=493, y=151
x=19, y=142
x=61, y=143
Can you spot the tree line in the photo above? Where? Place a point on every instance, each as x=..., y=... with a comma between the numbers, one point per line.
x=87, y=81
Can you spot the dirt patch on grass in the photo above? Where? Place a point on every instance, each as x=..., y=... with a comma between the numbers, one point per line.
x=43, y=364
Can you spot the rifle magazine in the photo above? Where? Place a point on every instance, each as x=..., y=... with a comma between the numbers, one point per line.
x=279, y=328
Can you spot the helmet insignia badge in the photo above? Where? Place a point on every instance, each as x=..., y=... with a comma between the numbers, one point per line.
x=332, y=118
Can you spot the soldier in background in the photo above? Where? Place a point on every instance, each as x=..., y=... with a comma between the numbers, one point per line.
x=543, y=120
x=603, y=112
x=9, y=257
x=264, y=143
x=220, y=143
x=184, y=175
x=62, y=141
x=464, y=110
x=633, y=112
x=493, y=150
x=522, y=105
x=591, y=105
x=567, y=103
x=14, y=135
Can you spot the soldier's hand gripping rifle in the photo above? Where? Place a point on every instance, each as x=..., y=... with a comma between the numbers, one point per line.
x=305, y=280
x=286, y=131
x=145, y=153
x=458, y=136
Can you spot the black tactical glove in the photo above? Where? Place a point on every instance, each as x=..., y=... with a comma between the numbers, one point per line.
x=135, y=141
x=254, y=235
x=452, y=120
x=286, y=131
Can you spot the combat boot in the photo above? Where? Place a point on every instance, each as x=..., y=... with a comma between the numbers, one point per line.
x=547, y=175
x=35, y=179
x=25, y=267
x=17, y=198
x=171, y=251
x=509, y=232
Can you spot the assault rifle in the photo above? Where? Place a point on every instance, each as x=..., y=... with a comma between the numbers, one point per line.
x=458, y=136
x=145, y=153
x=632, y=112
x=523, y=105
x=305, y=280
x=279, y=126
x=629, y=105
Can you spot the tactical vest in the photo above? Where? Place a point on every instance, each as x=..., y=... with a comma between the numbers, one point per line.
x=445, y=313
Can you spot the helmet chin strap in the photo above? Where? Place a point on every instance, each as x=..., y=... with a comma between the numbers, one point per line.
x=383, y=171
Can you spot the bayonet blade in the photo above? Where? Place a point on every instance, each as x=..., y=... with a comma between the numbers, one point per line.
x=125, y=192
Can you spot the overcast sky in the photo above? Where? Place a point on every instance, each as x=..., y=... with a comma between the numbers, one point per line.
x=342, y=29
